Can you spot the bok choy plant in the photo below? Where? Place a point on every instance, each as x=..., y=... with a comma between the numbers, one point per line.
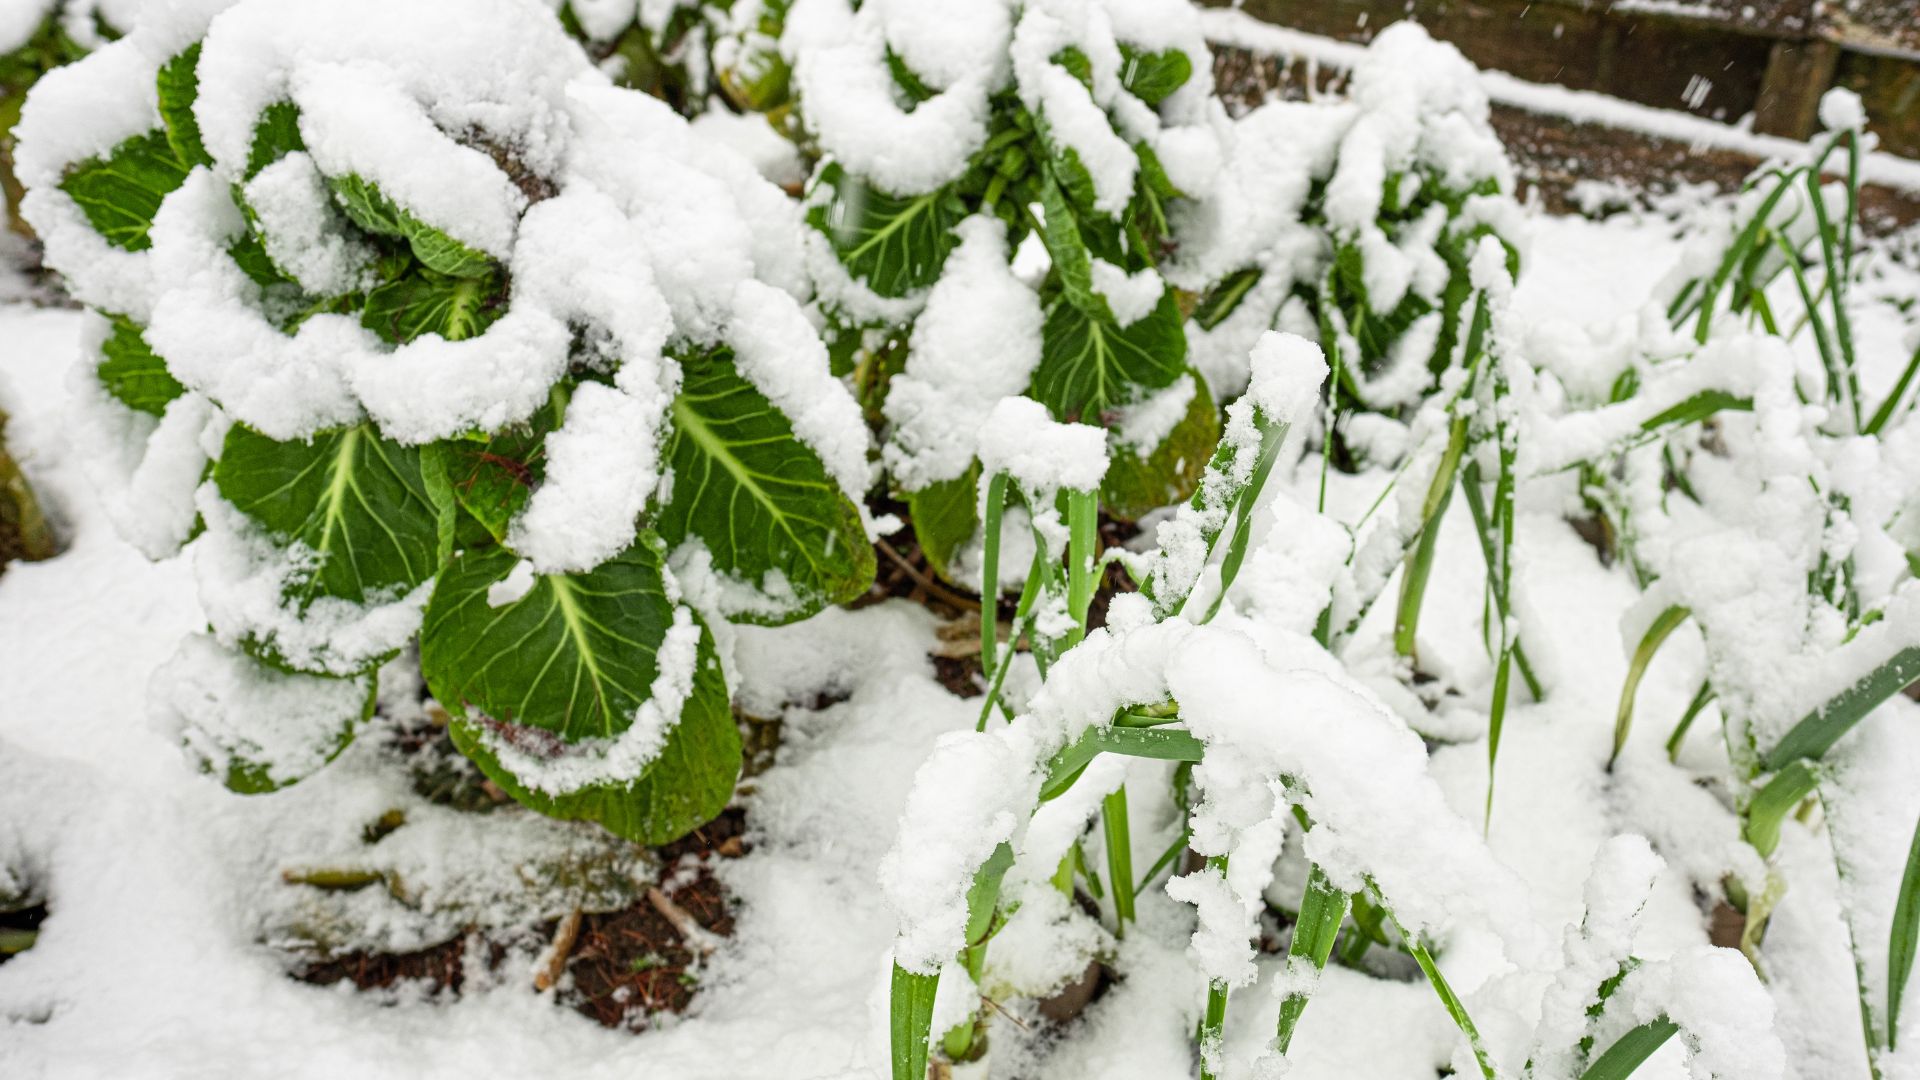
x=399, y=332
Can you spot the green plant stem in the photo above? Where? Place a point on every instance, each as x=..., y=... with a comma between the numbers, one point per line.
x=1322, y=908
x=1663, y=626
x=1903, y=937
x=1894, y=397
x=990, y=569
x=1701, y=699
x=1022, y=614
x=1419, y=564
x=1119, y=840
x=1214, y=1020
x=1839, y=267
x=1083, y=552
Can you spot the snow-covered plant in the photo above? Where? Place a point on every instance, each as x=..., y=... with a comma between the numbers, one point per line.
x=1382, y=224
x=37, y=36
x=1272, y=739
x=1355, y=221
x=1759, y=498
x=950, y=135
x=687, y=51
x=437, y=333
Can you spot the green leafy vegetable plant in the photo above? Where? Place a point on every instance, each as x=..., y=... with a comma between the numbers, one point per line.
x=941, y=157
x=407, y=378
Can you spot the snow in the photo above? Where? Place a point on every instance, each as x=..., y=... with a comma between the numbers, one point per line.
x=1020, y=439
x=961, y=360
x=171, y=909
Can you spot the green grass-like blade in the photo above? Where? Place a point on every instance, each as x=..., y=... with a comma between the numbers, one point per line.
x=1816, y=732
x=1119, y=842
x=1905, y=934
x=1164, y=744
x=1701, y=699
x=1419, y=566
x=990, y=570
x=911, y=1012
x=1775, y=801
x=1449, y=1000
x=1663, y=627
x=1322, y=908
x=1631, y=1050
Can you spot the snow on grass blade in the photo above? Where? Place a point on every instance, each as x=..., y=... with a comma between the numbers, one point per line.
x=1821, y=728
x=1322, y=908
x=1663, y=626
x=1156, y=742
x=1631, y=1050
x=1456, y=1008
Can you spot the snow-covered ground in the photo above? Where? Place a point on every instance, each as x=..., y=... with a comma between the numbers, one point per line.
x=162, y=885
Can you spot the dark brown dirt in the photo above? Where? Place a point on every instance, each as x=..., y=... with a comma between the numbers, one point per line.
x=623, y=967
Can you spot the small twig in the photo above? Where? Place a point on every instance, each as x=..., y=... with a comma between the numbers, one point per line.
x=697, y=937
x=556, y=964
x=925, y=582
x=997, y=1007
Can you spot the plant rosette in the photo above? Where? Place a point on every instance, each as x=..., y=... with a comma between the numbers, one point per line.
x=952, y=137
x=441, y=335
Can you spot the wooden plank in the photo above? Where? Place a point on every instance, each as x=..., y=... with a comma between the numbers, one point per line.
x=1798, y=73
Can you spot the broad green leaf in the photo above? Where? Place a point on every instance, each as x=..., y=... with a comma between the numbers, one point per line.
x=275, y=135
x=1221, y=301
x=911, y=1015
x=1137, y=484
x=1076, y=63
x=909, y=83
x=1631, y=1050
x=493, y=476
x=758, y=498
x=1072, y=263
x=373, y=211
x=1820, y=729
x=1089, y=365
x=945, y=516
x=896, y=244
x=424, y=302
x=373, y=515
x=1322, y=907
x=130, y=371
x=179, y=84
x=685, y=787
x=121, y=193
x=1903, y=937
x=248, y=777
x=1663, y=625
x=1152, y=76
x=575, y=655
